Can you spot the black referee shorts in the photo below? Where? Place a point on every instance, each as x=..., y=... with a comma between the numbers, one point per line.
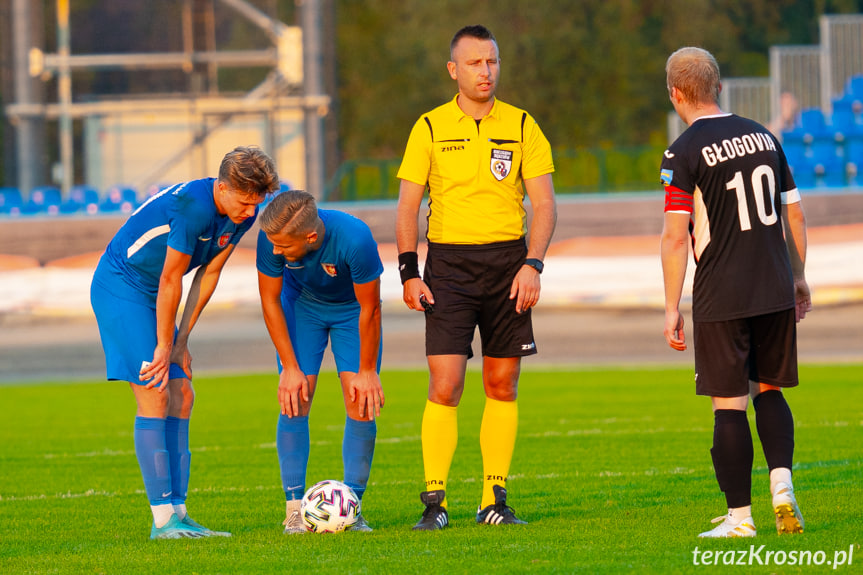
x=471, y=285
x=728, y=354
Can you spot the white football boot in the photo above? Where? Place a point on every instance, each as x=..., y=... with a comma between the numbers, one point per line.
x=730, y=527
x=788, y=517
x=294, y=521
x=361, y=525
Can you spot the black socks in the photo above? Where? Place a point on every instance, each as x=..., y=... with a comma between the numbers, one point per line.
x=732, y=456
x=775, y=428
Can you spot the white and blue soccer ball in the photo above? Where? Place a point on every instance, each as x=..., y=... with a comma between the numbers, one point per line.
x=329, y=506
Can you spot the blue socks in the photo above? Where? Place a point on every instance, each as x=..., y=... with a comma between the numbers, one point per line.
x=358, y=448
x=292, y=445
x=177, y=443
x=153, y=459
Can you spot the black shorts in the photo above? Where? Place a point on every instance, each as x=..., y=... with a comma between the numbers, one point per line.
x=471, y=285
x=728, y=354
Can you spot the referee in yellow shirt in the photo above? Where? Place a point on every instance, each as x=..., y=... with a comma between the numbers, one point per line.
x=478, y=156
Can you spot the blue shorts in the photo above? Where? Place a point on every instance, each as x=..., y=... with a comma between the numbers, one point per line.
x=315, y=323
x=128, y=332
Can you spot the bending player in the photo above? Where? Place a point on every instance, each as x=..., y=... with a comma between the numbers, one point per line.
x=319, y=279
x=136, y=293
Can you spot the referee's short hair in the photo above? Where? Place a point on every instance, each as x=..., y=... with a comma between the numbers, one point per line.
x=694, y=72
x=477, y=31
x=292, y=212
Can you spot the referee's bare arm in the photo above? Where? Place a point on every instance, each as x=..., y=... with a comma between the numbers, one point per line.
x=526, y=285
x=407, y=234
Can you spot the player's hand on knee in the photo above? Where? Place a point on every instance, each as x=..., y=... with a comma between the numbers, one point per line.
x=157, y=372
x=293, y=391
x=367, y=392
x=182, y=357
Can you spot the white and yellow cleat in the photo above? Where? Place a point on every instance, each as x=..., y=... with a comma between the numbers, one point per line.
x=788, y=517
x=294, y=520
x=730, y=528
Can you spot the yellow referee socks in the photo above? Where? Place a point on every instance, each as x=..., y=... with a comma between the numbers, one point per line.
x=439, y=438
x=497, y=442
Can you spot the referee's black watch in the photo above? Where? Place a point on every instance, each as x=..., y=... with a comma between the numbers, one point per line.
x=535, y=264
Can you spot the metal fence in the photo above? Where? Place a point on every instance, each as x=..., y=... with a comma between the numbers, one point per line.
x=796, y=70
x=801, y=78
x=841, y=54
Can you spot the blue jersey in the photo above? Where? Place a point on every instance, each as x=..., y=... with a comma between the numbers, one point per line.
x=183, y=217
x=347, y=256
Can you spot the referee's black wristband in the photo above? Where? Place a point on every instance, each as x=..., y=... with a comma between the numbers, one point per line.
x=409, y=267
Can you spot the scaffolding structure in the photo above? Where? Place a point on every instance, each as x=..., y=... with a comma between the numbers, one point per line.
x=288, y=106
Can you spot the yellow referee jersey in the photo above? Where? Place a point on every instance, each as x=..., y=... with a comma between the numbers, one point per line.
x=475, y=172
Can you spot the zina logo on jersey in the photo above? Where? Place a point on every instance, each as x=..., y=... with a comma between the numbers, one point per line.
x=330, y=269
x=224, y=239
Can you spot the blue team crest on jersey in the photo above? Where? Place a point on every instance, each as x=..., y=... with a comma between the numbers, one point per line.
x=330, y=269
x=665, y=176
x=224, y=239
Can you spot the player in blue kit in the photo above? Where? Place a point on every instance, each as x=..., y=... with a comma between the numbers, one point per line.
x=135, y=294
x=319, y=279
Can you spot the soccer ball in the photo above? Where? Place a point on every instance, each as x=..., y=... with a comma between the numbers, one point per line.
x=329, y=506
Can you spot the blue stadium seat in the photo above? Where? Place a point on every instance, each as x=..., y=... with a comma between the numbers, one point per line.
x=854, y=151
x=843, y=122
x=828, y=159
x=795, y=151
x=847, y=117
x=119, y=200
x=44, y=200
x=855, y=87
x=812, y=124
x=10, y=201
x=854, y=160
x=82, y=199
x=804, y=174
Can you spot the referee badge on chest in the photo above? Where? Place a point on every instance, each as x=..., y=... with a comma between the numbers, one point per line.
x=330, y=269
x=501, y=163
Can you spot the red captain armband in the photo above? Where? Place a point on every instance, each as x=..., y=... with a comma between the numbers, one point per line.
x=676, y=200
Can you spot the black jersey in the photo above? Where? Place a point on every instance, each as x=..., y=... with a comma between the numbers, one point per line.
x=731, y=175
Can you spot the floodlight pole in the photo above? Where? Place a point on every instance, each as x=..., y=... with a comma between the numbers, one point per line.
x=313, y=117
x=29, y=131
x=64, y=86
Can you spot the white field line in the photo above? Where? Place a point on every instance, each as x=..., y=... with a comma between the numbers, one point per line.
x=416, y=438
x=652, y=472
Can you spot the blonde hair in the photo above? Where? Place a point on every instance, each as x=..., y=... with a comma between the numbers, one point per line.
x=248, y=169
x=292, y=212
x=695, y=73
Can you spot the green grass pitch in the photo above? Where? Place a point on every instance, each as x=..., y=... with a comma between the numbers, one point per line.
x=612, y=470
